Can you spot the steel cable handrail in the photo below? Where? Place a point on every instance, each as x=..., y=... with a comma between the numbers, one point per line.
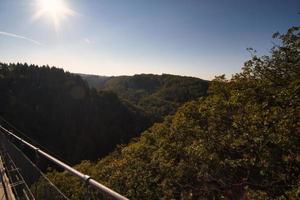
x=86, y=178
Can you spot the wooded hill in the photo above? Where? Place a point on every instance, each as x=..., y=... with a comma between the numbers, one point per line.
x=59, y=111
x=242, y=141
x=157, y=95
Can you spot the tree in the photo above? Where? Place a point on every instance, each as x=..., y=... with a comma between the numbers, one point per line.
x=241, y=141
x=59, y=111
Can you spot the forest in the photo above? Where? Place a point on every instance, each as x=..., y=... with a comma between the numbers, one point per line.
x=240, y=141
x=157, y=95
x=165, y=136
x=60, y=112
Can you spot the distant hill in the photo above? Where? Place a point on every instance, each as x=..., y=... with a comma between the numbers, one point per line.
x=95, y=81
x=61, y=112
x=158, y=95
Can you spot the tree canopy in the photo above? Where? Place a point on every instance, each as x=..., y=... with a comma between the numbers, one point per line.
x=240, y=141
x=157, y=95
x=59, y=111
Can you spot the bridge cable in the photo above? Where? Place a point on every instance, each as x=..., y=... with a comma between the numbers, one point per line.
x=68, y=168
x=33, y=141
x=41, y=173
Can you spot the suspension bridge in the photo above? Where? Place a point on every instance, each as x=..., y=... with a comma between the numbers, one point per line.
x=19, y=173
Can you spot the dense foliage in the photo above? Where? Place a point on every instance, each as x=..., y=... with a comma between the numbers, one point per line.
x=240, y=142
x=158, y=95
x=62, y=113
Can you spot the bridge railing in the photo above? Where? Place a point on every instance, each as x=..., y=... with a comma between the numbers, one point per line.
x=34, y=174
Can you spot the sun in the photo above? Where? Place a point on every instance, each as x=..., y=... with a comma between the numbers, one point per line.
x=55, y=10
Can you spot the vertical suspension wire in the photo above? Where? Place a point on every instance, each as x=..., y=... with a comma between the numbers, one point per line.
x=40, y=172
x=17, y=186
x=83, y=177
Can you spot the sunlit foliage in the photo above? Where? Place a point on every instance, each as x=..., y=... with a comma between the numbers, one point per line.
x=241, y=141
x=157, y=95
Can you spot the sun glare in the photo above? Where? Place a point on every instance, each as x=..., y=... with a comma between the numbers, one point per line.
x=56, y=10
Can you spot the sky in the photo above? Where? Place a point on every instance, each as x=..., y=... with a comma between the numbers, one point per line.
x=200, y=38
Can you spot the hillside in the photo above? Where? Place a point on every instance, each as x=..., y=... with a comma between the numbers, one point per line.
x=240, y=142
x=61, y=112
x=95, y=81
x=158, y=95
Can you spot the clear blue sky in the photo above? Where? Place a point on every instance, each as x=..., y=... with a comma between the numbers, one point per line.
x=201, y=38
